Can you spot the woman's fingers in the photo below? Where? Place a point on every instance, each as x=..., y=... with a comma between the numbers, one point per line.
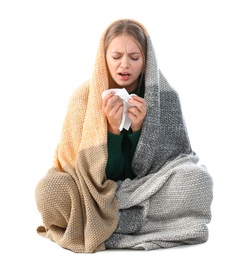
x=139, y=103
x=137, y=112
x=113, y=109
x=106, y=98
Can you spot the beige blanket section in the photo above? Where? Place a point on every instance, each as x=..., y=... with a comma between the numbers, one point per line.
x=77, y=203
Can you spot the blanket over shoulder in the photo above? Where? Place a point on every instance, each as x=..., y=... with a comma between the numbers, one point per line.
x=167, y=204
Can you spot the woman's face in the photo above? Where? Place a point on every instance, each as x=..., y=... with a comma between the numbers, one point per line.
x=125, y=62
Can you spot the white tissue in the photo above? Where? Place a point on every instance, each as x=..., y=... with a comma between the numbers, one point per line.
x=123, y=94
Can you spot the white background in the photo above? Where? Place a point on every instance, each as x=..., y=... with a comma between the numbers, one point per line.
x=48, y=48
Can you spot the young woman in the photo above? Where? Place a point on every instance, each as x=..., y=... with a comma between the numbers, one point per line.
x=114, y=186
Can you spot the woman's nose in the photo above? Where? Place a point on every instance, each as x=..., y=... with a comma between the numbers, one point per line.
x=124, y=63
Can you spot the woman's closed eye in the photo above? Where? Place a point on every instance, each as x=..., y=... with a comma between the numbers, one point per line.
x=118, y=57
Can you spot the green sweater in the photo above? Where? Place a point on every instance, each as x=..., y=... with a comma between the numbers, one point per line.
x=121, y=149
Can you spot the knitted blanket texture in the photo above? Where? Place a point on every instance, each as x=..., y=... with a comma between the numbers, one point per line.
x=167, y=204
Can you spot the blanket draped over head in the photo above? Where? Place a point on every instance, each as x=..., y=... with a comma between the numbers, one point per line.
x=166, y=205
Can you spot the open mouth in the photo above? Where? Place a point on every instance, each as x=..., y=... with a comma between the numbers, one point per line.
x=124, y=74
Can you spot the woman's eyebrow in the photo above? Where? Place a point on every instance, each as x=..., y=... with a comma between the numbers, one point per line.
x=131, y=53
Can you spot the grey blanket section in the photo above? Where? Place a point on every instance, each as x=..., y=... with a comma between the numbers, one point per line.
x=169, y=202
x=167, y=208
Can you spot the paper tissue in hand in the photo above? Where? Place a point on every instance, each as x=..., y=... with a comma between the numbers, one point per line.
x=123, y=94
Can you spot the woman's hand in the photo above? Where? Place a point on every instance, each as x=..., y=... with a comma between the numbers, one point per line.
x=137, y=112
x=113, y=109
